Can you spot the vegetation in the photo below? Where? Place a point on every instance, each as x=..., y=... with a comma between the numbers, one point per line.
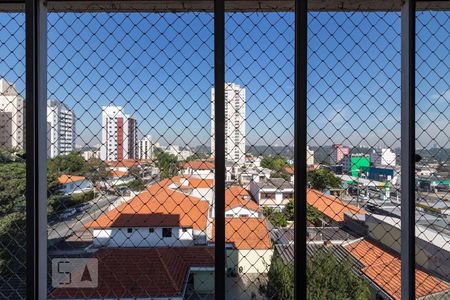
x=276, y=217
x=322, y=179
x=136, y=185
x=328, y=278
x=313, y=215
x=197, y=156
x=12, y=244
x=12, y=187
x=278, y=166
x=167, y=163
x=74, y=164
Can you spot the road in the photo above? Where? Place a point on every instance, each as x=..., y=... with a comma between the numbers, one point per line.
x=64, y=229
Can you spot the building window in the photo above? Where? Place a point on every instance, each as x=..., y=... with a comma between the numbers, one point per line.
x=151, y=230
x=130, y=230
x=184, y=229
x=167, y=232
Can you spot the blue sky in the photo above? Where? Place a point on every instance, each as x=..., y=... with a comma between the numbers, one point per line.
x=160, y=68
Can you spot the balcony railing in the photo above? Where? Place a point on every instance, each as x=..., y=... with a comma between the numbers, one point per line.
x=224, y=149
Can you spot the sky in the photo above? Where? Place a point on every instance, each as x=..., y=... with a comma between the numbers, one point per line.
x=160, y=68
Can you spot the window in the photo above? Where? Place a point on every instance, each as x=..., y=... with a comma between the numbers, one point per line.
x=151, y=230
x=184, y=229
x=167, y=232
x=129, y=230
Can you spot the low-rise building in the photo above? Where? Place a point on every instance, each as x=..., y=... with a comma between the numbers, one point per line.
x=272, y=192
x=71, y=184
x=199, y=168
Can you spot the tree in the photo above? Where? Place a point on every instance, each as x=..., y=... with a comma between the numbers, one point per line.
x=328, y=278
x=167, y=163
x=278, y=166
x=312, y=214
x=323, y=179
x=276, y=218
x=12, y=244
x=280, y=284
x=72, y=164
x=12, y=187
x=95, y=170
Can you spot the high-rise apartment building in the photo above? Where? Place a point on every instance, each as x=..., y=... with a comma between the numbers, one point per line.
x=309, y=156
x=119, y=134
x=338, y=153
x=12, y=123
x=146, y=148
x=60, y=129
x=234, y=123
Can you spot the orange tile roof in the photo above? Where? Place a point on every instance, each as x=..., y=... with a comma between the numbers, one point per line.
x=127, y=163
x=384, y=269
x=198, y=165
x=247, y=233
x=331, y=206
x=117, y=173
x=63, y=179
x=159, y=200
x=141, y=272
x=234, y=197
x=193, y=182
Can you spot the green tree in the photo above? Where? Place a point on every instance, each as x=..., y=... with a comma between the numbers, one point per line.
x=276, y=217
x=323, y=179
x=12, y=187
x=312, y=214
x=95, y=170
x=328, y=278
x=12, y=244
x=280, y=284
x=278, y=166
x=71, y=164
x=136, y=185
x=167, y=163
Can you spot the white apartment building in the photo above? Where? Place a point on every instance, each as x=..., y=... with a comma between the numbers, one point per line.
x=119, y=135
x=383, y=157
x=61, y=129
x=235, y=123
x=309, y=156
x=12, y=123
x=146, y=148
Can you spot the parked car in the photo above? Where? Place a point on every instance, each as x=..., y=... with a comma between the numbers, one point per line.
x=67, y=213
x=82, y=207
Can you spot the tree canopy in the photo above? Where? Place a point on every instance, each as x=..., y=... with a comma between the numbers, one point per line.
x=277, y=164
x=328, y=278
x=167, y=163
x=322, y=179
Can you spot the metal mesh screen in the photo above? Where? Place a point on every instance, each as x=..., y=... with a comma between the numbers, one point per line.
x=258, y=147
x=131, y=154
x=129, y=133
x=432, y=144
x=12, y=158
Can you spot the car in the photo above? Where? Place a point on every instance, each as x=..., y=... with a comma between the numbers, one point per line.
x=67, y=213
x=82, y=207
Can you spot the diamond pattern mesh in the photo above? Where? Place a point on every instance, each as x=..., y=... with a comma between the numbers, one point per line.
x=12, y=163
x=130, y=146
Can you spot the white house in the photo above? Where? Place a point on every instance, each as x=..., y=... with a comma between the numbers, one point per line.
x=272, y=192
x=71, y=184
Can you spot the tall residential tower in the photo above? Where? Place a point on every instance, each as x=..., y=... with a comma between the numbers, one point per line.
x=61, y=129
x=234, y=123
x=119, y=135
x=12, y=122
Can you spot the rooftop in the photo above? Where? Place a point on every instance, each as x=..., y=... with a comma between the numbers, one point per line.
x=63, y=179
x=199, y=165
x=141, y=272
x=275, y=183
x=383, y=268
x=331, y=206
x=236, y=196
x=159, y=200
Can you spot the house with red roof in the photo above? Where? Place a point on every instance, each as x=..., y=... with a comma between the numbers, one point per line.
x=199, y=168
x=71, y=184
x=158, y=217
x=239, y=203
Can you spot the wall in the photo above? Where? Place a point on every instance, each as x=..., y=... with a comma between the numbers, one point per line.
x=141, y=237
x=251, y=261
x=239, y=211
